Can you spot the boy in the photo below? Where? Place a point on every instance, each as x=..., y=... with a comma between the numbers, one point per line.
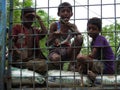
x=26, y=42
x=59, y=40
x=100, y=60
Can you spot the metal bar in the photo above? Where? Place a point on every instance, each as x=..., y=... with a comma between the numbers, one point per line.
x=9, y=84
x=2, y=42
x=88, y=6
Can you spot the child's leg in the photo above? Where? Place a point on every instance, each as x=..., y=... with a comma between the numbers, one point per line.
x=37, y=65
x=97, y=68
x=91, y=77
x=74, y=50
x=84, y=62
x=55, y=61
x=81, y=64
x=54, y=57
x=76, y=45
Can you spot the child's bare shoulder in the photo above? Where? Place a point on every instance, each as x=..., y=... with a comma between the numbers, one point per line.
x=53, y=26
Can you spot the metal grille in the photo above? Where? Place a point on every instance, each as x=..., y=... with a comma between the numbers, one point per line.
x=63, y=79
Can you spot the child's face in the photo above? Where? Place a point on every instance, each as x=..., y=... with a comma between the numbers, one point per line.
x=92, y=30
x=65, y=13
x=28, y=18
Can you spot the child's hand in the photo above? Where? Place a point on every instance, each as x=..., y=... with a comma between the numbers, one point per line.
x=57, y=33
x=90, y=56
x=66, y=22
x=57, y=42
x=38, y=17
x=69, y=25
x=66, y=41
x=22, y=54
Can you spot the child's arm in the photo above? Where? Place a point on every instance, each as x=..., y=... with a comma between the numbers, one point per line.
x=53, y=34
x=92, y=55
x=44, y=30
x=66, y=41
x=22, y=53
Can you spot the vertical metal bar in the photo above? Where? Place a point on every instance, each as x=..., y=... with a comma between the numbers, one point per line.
x=10, y=45
x=101, y=9
x=115, y=44
x=2, y=42
x=47, y=47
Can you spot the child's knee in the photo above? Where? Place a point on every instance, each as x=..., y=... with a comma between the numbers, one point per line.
x=79, y=40
x=79, y=57
x=54, y=57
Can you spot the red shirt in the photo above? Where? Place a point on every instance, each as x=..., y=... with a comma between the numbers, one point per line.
x=28, y=39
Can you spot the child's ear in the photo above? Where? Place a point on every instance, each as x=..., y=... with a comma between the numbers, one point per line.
x=71, y=14
x=58, y=14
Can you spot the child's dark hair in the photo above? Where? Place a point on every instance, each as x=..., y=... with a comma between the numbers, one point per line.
x=64, y=4
x=95, y=21
x=27, y=10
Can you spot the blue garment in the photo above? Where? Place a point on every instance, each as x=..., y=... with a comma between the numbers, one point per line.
x=58, y=26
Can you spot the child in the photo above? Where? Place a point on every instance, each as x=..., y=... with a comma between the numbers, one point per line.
x=100, y=60
x=26, y=41
x=59, y=39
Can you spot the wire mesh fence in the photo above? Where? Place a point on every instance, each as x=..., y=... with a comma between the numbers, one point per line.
x=34, y=63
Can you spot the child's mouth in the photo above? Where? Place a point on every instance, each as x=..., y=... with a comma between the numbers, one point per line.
x=66, y=19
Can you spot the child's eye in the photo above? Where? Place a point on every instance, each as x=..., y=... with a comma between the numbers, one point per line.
x=65, y=10
x=92, y=28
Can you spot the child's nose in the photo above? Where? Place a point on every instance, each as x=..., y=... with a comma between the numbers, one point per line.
x=65, y=12
x=90, y=29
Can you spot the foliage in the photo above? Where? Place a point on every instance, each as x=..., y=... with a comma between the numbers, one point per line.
x=14, y=9
x=112, y=33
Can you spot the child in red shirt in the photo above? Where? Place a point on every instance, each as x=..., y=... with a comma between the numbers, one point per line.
x=26, y=41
